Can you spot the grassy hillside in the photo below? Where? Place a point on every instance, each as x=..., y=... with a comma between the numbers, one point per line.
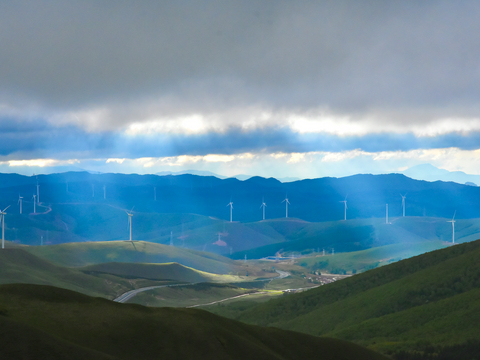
x=429, y=299
x=55, y=322
x=19, y=266
x=363, y=234
x=184, y=296
x=360, y=261
x=167, y=271
x=89, y=253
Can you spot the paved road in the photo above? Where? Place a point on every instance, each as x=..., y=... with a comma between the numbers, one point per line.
x=281, y=274
x=130, y=294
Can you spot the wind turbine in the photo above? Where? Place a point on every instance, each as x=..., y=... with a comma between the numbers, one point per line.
x=345, y=202
x=20, y=201
x=453, y=226
x=286, y=205
x=130, y=214
x=38, y=193
x=403, y=202
x=231, y=209
x=263, y=205
x=104, y=192
x=386, y=215
x=34, y=203
x=3, y=213
x=93, y=190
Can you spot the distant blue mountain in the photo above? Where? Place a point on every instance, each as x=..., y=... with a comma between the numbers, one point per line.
x=310, y=200
x=429, y=172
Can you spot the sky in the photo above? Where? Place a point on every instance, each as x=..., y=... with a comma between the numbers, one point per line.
x=272, y=88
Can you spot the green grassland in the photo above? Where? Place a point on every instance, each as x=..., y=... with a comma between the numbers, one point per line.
x=360, y=261
x=363, y=234
x=167, y=271
x=19, y=266
x=47, y=322
x=90, y=253
x=185, y=296
x=428, y=299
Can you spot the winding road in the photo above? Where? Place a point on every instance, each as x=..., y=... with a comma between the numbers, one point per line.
x=130, y=294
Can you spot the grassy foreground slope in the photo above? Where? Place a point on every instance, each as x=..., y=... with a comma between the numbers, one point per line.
x=61, y=324
x=89, y=253
x=429, y=299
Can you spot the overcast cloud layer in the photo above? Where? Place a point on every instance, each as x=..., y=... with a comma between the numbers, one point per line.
x=85, y=80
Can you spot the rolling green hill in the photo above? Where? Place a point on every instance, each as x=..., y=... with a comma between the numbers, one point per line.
x=359, y=261
x=46, y=322
x=166, y=271
x=429, y=299
x=89, y=253
x=19, y=266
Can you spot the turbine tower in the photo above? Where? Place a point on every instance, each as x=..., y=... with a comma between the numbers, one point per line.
x=130, y=214
x=104, y=192
x=34, y=204
x=453, y=227
x=345, y=202
x=20, y=202
x=286, y=205
x=386, y=214
x=38, y=193
x=3, y=213
x=93, y=190
x=231, y=209
x=403, y=202
x=263, y=205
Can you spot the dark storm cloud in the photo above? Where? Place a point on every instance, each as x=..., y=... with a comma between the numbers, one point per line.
x=43, y=140
x=346, y=55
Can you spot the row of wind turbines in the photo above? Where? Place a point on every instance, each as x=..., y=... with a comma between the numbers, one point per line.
x=264, y=205
x=36, y=199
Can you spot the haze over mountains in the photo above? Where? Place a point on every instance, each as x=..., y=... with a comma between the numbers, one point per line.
x=426, y=172
x=192, y=211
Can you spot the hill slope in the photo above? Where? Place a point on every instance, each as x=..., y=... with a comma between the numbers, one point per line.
x=89, y=253
x=53, y=322
x=167, y=271
x=19, y=266
x=431, y=298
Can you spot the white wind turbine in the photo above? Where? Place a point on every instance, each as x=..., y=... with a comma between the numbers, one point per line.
x=403, y=202
x=3, y=213
x=286, y=205
x=345, y=202
x=104, y=192
x=38, y=192
x=231, y=209
x=263, y=205
x=34, y=204
x=453, y=226
x=130, y=215
x=20, y=202
x=386, y=215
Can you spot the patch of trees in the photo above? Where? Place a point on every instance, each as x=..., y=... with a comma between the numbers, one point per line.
x=469, y=350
